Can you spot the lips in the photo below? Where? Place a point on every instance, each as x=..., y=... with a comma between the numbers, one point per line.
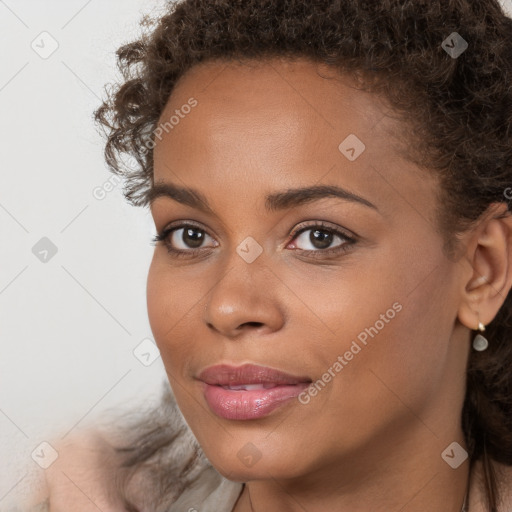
x=249, y=375
x=250, y=391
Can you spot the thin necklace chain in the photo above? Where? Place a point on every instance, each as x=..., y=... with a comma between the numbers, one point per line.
x=465, y=504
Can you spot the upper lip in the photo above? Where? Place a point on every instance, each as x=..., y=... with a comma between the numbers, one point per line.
x=226, y=375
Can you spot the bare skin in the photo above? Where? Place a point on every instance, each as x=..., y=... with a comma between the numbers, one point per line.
x=373, y=438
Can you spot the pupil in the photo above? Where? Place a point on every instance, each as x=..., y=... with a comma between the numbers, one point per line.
x=322, y=238
x=192, y=240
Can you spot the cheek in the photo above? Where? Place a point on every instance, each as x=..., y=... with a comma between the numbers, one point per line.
x=383, y=379
x=392, y=326
x=167, y=308
x=170, y=299
x=173, y=310
x=404, y=360
x=157, y=301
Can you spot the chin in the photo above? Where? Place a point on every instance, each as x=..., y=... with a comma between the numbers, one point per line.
x=251, y=463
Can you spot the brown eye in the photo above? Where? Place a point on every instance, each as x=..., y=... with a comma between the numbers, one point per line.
x=318, y=239
x=183, y=240
x=188, y=237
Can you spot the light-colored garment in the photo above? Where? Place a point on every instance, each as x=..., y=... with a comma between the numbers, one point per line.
x=208, y=494
x=192, y=484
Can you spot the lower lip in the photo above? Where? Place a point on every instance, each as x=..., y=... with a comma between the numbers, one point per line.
x=249, y=404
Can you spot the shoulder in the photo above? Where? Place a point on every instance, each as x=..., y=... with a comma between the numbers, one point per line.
x=78, y=479
x=31, y=494
x=146, y=458
x=166, y=466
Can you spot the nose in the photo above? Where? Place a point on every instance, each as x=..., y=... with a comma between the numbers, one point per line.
x=245, y=299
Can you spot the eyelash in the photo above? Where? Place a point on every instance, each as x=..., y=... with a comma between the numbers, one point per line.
x=319, y=253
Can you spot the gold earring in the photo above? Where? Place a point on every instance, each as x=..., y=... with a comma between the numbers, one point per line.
x=480, y=343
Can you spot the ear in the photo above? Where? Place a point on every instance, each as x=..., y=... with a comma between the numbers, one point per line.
x=489, y=254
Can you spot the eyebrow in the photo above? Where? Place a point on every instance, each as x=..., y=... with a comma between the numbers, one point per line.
x=275, y=201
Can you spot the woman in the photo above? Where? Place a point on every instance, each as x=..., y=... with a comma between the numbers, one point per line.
x=329, y=292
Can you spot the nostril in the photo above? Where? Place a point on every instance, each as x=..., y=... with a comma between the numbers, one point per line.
x=252, y=324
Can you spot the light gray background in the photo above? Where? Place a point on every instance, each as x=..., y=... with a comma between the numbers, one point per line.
x=68, y=326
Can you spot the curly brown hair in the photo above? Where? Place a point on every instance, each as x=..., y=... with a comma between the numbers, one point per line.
x=458, y=110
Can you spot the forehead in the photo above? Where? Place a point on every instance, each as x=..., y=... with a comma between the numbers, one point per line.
x=266, y=123
x=302, y=90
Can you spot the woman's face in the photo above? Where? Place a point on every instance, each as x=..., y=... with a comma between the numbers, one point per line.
x=355, y=295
